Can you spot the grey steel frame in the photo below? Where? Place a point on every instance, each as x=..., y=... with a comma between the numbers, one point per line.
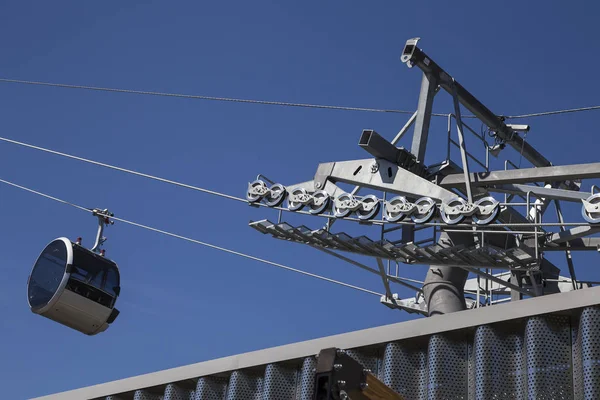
x=477, y=249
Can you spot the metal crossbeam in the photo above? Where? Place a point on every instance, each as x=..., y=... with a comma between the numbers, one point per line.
x=525, y=175
x=540, y=192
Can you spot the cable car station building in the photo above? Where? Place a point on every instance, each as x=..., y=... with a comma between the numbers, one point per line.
x=540, y=348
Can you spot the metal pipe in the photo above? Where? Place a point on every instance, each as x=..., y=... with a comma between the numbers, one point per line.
x=443, y=288
x=404, y=129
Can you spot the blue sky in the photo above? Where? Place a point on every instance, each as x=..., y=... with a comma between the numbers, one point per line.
x=182, y=303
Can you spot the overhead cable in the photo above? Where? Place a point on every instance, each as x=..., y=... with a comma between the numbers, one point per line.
x=556, y=112
x=202, y=97
x=129, y=171
x=271, y=102
x=227, y=196
x=223, y=249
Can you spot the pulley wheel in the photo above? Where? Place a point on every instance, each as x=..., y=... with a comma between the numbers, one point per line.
x=342, y=212
x=487, y=218
x=372, y=207
x=293, y=203
x=423, y=217
x=320, y=202
x=276, y=195
x=454, y=218
x=593, y=217
x=395, y=216
x=258, y=186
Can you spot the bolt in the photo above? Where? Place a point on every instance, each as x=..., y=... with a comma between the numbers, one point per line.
x=337, y=367
x=374, y=167
x=318, y=185
x=363, y=386
x=340, y=352
x=367, y=371
x=343, y=395
x=341, y=383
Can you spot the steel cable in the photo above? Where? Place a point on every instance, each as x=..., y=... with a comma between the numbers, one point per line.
x=212, y=246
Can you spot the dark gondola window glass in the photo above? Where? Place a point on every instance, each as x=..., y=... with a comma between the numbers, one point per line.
x=112, y=281
x=47, y=274
x=89, y=276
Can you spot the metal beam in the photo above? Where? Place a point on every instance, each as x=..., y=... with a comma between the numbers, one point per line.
x=379, y=174
x=570, y=234
x=525, y=175
x=540, y=192
x=461, y=142
x=404, y=129
x=582, y=244
x=360, y=265
x=384, y=277
x=412, y=55
x=429, y=85
x=497, y=280
x=568, y=254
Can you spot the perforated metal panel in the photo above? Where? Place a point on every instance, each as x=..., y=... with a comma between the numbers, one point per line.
x=174, y=392
x=542, y=357
x=279, y=383
x=244, y=386
x=211, y=388
x=307, y=376
x=405, y=370
x=500, y=371
x=549, y=368
x=577, y=363
x=471, y=368
x=145, y=395
x=368, y=358
x=448, y=368
x=589, y=348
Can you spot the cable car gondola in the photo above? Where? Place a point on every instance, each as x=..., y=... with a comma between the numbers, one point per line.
x=74, y=286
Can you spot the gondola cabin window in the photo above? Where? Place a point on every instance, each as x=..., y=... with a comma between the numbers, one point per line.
x=47, y=274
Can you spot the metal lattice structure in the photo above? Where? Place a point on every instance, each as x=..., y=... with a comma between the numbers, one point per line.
x=541, y=348
x=443, y=214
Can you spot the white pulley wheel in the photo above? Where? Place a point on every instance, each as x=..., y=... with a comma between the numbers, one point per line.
x=320, y=202
x=342, y=212
x=593, y=215
x=389, y=212
x=425, y=210
x=485, y=219
x=455, y=216
x=294, y=203
x=369, y=207
x=276, y=195
x=256, y=191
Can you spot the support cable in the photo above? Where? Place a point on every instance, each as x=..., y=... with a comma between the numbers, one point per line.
x=240, y=199
x=271, y=102
x=202, y=97
x=129, y=171
x=556, y=112
x=223, y=249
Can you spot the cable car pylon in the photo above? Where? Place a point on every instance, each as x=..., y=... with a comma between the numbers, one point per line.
x=471, y=229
